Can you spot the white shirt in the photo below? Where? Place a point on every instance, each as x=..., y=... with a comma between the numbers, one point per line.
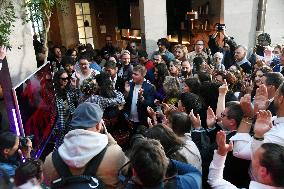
x=244, y=144
x=82, y=77
x=244, y=60
x=215, y=177
x=133, y=113
x=113, y=81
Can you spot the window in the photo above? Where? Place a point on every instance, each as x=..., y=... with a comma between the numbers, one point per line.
x=83, y=16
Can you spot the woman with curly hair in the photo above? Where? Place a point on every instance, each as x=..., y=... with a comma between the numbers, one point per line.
x=174, y=68
x=180, y=52
x=172, y=90
x=256, y=78
x=66, y=103
x=88, y=88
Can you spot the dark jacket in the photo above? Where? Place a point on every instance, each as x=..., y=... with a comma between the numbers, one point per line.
x=236, y=169
x=228, y=58
x=148, y=94
x=276, y=68
x=119, y=85
x=246, y=67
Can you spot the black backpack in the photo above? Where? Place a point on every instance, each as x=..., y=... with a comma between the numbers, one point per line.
x=85, y=181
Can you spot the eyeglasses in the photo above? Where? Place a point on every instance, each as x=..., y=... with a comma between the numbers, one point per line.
x=223, y=115
x=64, y=78
x=199, y=44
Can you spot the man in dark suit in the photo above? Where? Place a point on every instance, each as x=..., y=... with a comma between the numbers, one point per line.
x=118, y=82
x=235, y=169
x=139, y=94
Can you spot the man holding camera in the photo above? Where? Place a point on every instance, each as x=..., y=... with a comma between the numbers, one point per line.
x=12, y=148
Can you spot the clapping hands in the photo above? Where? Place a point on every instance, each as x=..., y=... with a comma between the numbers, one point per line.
x=263, y=123
x=223, y=147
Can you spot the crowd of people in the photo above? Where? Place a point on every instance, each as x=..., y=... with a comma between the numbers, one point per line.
x=209, y=118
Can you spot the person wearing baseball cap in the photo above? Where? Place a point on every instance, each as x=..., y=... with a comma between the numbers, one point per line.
x=87, y=139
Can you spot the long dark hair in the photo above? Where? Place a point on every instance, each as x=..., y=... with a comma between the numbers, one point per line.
x=169, y=140
x=105, y=86
x=56, y=79
x=162, y=71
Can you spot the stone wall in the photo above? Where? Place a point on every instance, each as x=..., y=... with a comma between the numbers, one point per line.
x=274, y=22
x=240, y=18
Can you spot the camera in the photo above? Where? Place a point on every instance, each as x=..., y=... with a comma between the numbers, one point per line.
x=220, y=27
x=24, y=141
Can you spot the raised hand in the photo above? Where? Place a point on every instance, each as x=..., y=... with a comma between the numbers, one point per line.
x=223, y=89
x=246, y=106
x=149, y=121
x=211, y=118
x=140, y=92
x=247, y=87
x=126, y=87
x=180, y=107
x=195, y=120
x=151, y=112
x=261, y=98
x=223, y=147
x=263, y=123
x=168, y=108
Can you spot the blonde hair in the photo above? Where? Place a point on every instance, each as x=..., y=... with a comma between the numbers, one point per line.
x=171, y=85
x=182, y=47
x=123, y=52
x=218, y=54
x=141, y=69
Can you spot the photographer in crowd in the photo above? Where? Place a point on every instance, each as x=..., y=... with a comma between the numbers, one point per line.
x=12, y=148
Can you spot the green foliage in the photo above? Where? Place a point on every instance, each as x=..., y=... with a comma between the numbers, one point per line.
x=7, y=18
x=41, y=11
x=36, y=10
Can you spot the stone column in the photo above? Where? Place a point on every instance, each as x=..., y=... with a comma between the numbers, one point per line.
x=274, y=22
x=153, y=19
x=240, y=19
